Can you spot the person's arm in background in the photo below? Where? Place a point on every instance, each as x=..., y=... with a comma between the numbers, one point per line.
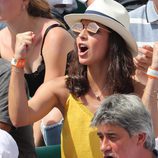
x=142, y=61
x=150, y=96
x=87, y=2
x=23, y=112
x=143, y=31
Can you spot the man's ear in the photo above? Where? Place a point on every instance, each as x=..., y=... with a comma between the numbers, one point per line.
x=141, y=138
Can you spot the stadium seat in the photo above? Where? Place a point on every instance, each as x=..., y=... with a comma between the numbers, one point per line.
x=51, y=151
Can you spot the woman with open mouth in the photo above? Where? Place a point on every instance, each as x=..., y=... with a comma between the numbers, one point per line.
x=101, y=65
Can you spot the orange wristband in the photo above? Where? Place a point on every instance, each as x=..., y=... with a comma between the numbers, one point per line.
x=152, y=77
x=19, y=63
x=153, y=68
x=152, y=73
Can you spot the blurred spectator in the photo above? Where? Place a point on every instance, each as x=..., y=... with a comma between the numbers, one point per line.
x=132, y=4
x=144, y=23
x=8, y=146
x=144, y=28
x=63, y=6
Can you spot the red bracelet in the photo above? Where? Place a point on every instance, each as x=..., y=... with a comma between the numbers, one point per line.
x=19, y=63
x=152, y=77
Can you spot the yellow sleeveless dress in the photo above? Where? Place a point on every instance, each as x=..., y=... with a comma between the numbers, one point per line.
x=78, y=139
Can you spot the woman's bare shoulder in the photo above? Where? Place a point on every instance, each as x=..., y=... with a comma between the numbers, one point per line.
x=58, y=32
x=4, y=31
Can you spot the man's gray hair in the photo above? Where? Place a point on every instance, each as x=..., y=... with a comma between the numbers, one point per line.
x=128, y=112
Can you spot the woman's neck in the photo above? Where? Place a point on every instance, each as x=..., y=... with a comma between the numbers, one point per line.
x=23, y=24
x=97, y=78
x=97, y=82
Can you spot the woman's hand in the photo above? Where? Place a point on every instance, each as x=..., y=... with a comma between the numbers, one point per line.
x=144, y=58
x=142, y=61
x=154, y=63
x=23, y=44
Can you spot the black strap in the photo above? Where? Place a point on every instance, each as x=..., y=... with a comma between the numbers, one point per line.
x=46, y=32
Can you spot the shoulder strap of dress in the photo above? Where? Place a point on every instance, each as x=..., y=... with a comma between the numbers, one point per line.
x=46, y=32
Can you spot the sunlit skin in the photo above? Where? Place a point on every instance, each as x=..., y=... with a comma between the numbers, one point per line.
x=97, y=45
x=6, y=5
x=117, y=143
x=156, y=5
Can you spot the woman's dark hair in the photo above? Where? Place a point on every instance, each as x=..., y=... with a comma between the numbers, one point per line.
x=119, y=72
x=39, y=8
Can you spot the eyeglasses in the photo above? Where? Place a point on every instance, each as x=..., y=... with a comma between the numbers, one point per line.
x=92, y=28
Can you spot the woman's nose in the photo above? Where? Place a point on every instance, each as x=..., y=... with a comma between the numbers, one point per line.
x=83, y=33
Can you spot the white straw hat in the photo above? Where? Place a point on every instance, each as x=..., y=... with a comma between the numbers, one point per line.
x=111, y=14
x=8, y=146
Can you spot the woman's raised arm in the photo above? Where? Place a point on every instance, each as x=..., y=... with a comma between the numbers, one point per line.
x=23, y=112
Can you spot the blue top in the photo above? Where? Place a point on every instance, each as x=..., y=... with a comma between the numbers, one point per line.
x=144, y=24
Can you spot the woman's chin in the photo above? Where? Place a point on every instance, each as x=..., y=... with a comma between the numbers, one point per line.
x=83, y=61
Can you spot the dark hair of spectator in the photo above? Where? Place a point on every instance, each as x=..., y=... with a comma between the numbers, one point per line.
x=119, y=72
x=39, y=8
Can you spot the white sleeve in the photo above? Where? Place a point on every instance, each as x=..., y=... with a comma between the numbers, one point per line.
x=83, y=1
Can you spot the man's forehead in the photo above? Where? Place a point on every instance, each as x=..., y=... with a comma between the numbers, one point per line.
x=110, y=128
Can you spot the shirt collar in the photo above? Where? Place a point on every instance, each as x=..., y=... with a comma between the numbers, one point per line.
x=151, y=14
x=155, y=152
